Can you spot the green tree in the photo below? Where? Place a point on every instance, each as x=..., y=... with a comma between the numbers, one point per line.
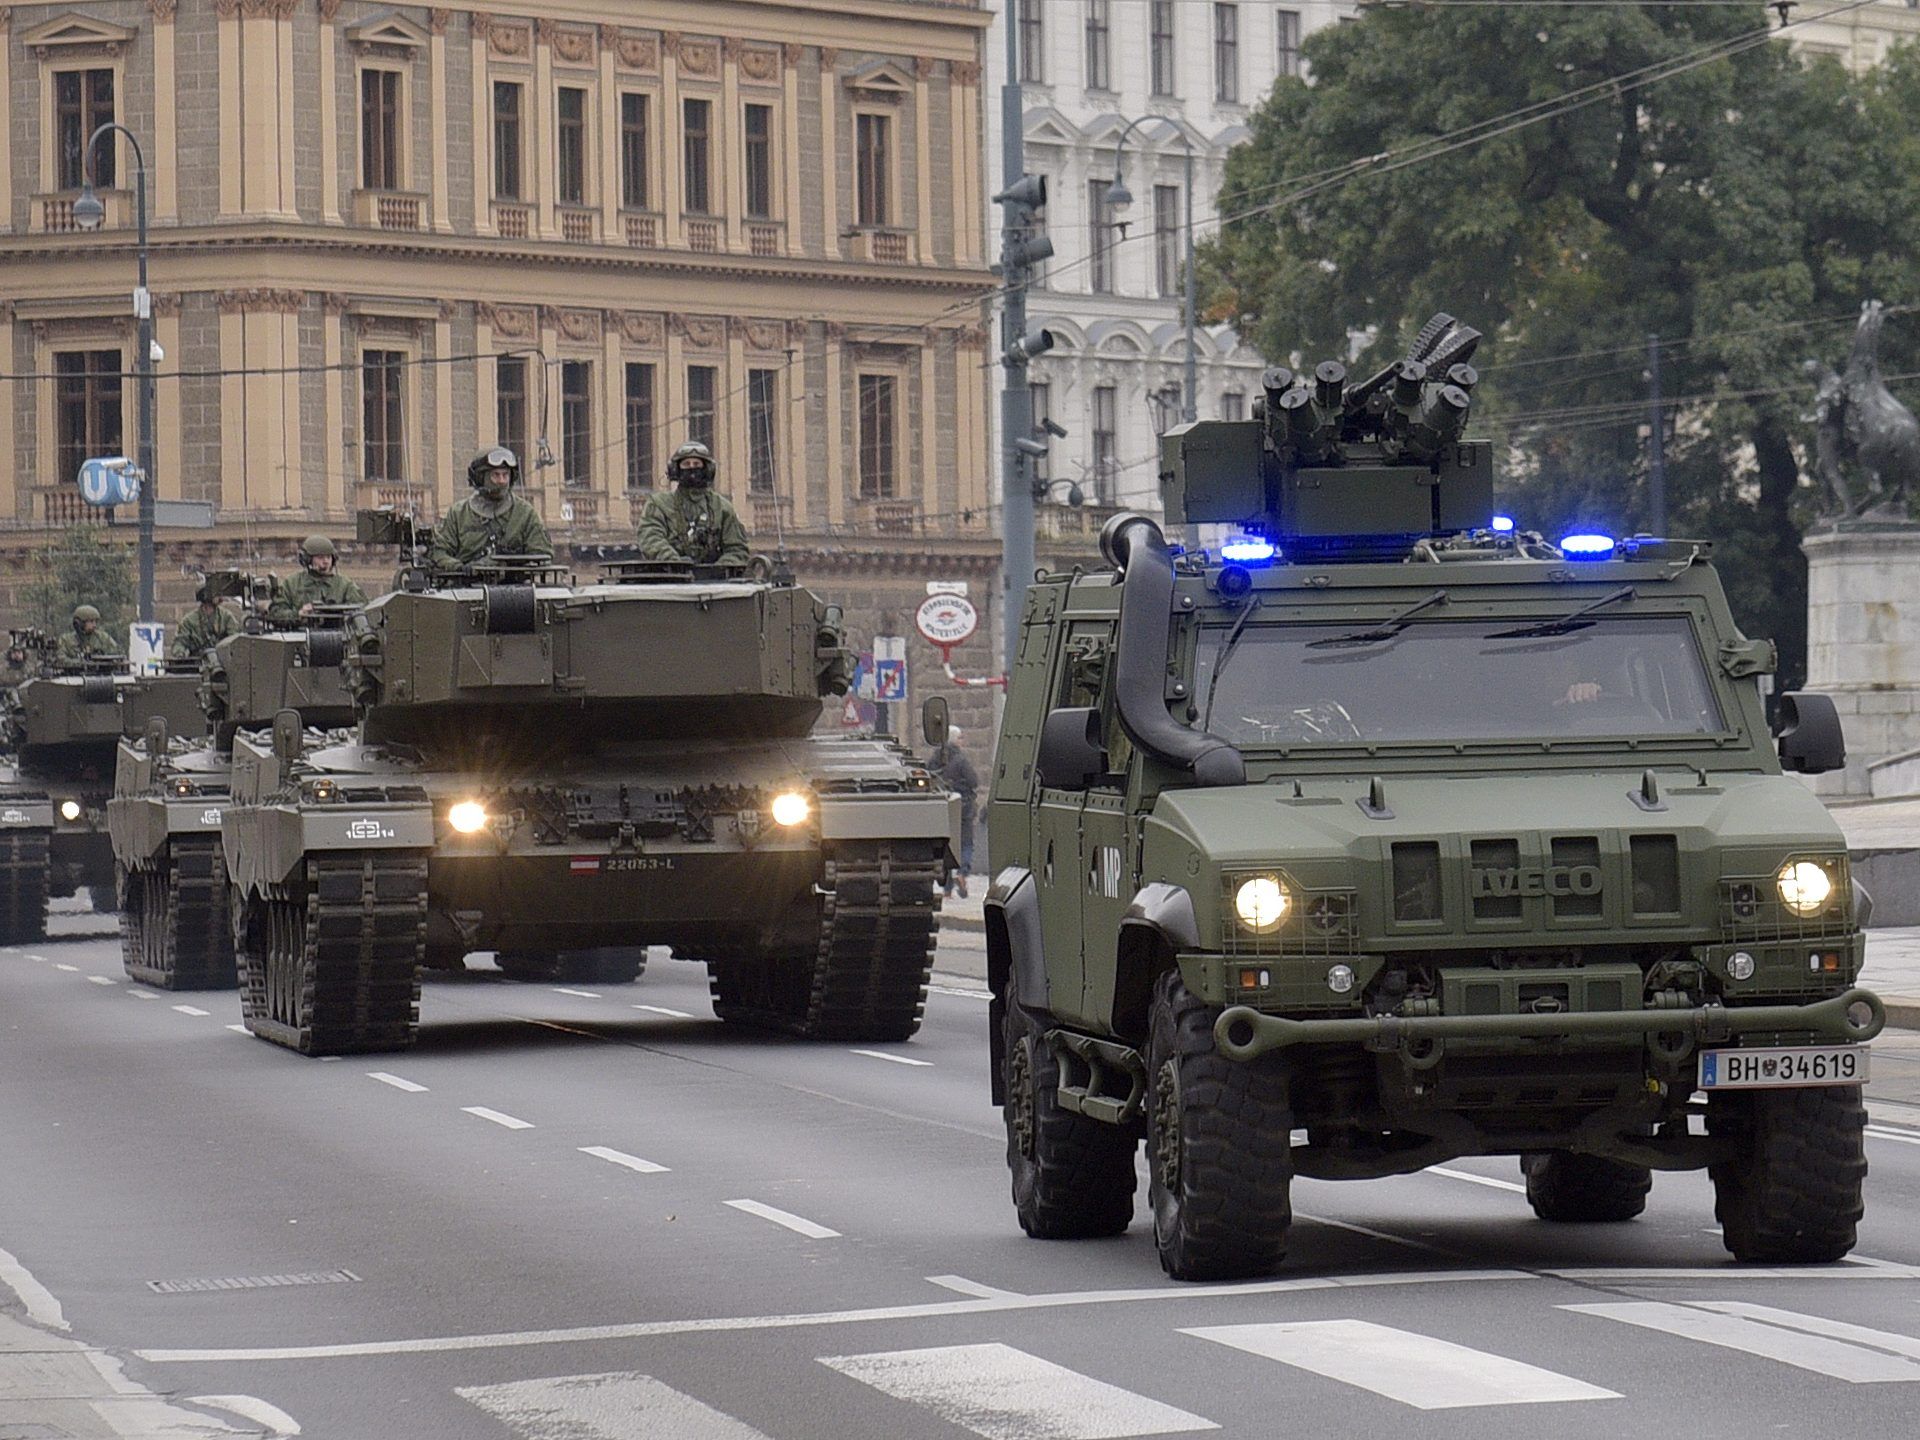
x=82, y=567
x=1741, y=211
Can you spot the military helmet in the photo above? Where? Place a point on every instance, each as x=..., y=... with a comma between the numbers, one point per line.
x=700, y=474
x=205, y=594
x=497, y=458
x=84, y=613
x=315, y=545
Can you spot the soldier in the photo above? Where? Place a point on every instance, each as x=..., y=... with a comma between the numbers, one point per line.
x=491, y=521
x=956, y=772
x=693, y=523
x=203, y=627
x=316, y=584
x=87, y=642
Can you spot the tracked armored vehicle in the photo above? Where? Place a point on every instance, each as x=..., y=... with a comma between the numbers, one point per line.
x=1391, y=825
x=545, y=769
x=63, y=726
x=170, y=792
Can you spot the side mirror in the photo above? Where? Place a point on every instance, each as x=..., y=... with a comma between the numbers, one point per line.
x=156, y=737
x=1811, y=742
x=934, y=720
x=286, y=737
x=1071, y=756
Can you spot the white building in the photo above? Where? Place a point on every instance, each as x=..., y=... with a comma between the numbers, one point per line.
x=1858, y=39
x=1190, y=71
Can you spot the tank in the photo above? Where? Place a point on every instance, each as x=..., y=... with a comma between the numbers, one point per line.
x=1384, y=832
x=566, y=772
x=63, y=725
x=170, y=792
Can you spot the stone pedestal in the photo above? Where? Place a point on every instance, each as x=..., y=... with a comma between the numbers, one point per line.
x=1863, y=644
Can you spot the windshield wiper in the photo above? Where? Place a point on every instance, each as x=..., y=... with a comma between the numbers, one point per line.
x=1566, y=624
x=1385, y=631
x=1226, y=654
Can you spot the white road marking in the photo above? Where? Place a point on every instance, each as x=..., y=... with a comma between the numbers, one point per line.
x=1006, y=1394
x=618, y=1406
x=662, y=1010
x=102, y=980
x=497, y=1117
x=40, y=1304
x=583, y=994
x=141, y=994
x=1882, y=1132
x=396, y=1082
x=1473, y=1179
x=40, y=958
x=961, y=1285
x=62, y=965
x=1855, y=1268
x=896, y=1059
x=1817, y=1325
x=1403, y=1365
x=1798, y=1345
x=961, y=991
x=251, y=1407
x=798, y=1224
x=621, y=1158
x=192, y=1010
x=238, y=1029
x=1372, y=1234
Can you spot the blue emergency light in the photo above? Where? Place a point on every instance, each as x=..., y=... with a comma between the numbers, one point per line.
x=1248, y=550
x=1587, y=547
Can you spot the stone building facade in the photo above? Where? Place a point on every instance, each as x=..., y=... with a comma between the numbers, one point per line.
x=386, y=236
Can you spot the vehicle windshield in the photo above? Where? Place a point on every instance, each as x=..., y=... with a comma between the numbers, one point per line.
x=1454, y=680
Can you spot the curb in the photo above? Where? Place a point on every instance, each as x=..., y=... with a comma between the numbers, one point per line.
x=1903, y=1012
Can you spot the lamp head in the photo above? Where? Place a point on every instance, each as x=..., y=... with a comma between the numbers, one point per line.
x=88, y=211
x=1118, y=196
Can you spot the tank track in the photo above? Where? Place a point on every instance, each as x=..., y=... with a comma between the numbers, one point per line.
x=330, y=963
x=23, y=886
x=879, y=912
x=174, y=927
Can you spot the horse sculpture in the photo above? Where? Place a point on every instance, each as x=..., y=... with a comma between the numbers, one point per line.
x=1862, y=427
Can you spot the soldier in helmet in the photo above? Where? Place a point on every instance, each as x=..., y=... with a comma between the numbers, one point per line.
x=693, y=523
x=316, y=584
x=87, y=640
x=491, y=521
x=203, y=627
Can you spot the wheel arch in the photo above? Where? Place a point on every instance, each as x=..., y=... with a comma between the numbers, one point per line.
x=1158, y=925
x=1016, y=956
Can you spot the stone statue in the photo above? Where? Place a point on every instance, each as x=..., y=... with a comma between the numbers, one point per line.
x=1863, y=429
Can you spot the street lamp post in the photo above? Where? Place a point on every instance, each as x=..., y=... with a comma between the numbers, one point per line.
x=88, y=214
x=1119, y=198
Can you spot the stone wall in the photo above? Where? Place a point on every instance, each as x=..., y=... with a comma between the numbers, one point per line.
x=1863, y=643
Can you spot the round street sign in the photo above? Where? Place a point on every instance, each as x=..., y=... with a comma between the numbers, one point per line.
x=109, y=480
x=946, y=620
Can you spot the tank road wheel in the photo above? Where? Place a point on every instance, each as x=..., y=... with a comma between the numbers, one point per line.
x=1563, y=1186
x=1072, y=1176
x=179, y=910
x=23, y=886
x=880, y=907
x=333, y=963
x=131, y=886
x=1789, y=1191
x=1219, y=1147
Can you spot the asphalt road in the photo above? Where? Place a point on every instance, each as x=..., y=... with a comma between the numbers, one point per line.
x=596, y=1214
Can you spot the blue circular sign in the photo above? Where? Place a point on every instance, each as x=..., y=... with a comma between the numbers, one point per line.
x=109, y=480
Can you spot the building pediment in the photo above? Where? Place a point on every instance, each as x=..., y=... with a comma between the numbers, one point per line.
x=74, y=34
x=1047, y=126
x=882, y=80
x=388, y=31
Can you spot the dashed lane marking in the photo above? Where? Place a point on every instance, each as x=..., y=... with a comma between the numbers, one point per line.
x=142, y=994
x=583, y=994
x=1473, y=1179
x=238, y=1029
x=102, y=980
x=796, y=1223
x=498, y=1117
x=896, y=1059
x=396, y=1082
x=961, y=991
x=1882, y=1132
x=960, y=1285
x=62, y=965
x=1803, y=1341
x=192, y=1010
x=663, y=1010
x=624, y=1160
x=619, y=1406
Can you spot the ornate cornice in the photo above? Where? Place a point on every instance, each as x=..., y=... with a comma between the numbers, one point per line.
x=923, y=67
x=162, y=11
x=510, y=41
x=639, y=327
x=438, y=19
x=580, y=326
x=964, y=72
x=702, y=332
x=334, y=303
x=509, y=322
x=258, y=299
x=759, y=63
x=634, y=51
x=574, y=47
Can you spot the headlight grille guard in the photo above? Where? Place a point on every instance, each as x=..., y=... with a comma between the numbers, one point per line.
x=1321, y=922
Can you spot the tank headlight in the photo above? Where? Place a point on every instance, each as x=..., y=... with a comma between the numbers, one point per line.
x=69, y=809
x=1261, y=903
x=468, y=817
x=1804, y=887
x=791, y=808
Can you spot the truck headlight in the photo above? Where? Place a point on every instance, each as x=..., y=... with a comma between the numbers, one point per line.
x=1805, y=887
x=468, y=817
x=1261, y=903
x=791, y=808
x=69, y=809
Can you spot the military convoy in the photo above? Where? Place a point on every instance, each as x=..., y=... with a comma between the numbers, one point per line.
x=553, y=770
x=1385, y=832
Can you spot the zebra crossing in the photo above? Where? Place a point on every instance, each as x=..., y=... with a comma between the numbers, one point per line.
x=1001, y=1392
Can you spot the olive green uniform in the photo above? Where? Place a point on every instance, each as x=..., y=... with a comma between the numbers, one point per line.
x=474, y=529
x=198, y=631
x=74, y=647
x=307, y=588
x=692, y=524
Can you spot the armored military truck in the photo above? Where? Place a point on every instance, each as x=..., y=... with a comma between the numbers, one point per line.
x=1383, y=832
x=544, y=768
x=170, y=792
x=63, y=726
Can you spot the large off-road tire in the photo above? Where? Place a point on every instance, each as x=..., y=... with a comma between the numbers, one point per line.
x=331, y=964
x=1575, y=1189
x=174, y=929
x=1072, y=1177
x=1219, y=1147
x=1789, y=1191
x=23, y=887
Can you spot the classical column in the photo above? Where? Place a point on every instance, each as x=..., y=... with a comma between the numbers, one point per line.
x=166, y=331
x=674, y=394
x=731, y=149
x=442, y=181
x=790, y=153
x=6, y=189
x=963, y=82
x=9, y=393
x=923, y=157
x=830, y=155
x=610, y=140
x=45, y=449
x=673, y=155
x=611, y=452
x=329, y=121
x=333, y=453
x=932, y=500
x=445, y=462
x=166, y=157
x=836, y=477
x=793, y=410
x=733, y=429
x=482, y=127
x=232, y=145
x=540, y=105
x=235, y=462
x=281, y=13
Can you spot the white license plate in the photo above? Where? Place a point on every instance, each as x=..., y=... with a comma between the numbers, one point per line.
x=1783, y=1067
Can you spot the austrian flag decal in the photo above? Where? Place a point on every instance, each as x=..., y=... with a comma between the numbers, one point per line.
x=585, y=865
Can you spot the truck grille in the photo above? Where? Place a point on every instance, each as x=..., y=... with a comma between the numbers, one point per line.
x=1534, y=882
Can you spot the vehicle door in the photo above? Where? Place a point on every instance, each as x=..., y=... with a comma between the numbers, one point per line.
x=1058, y=863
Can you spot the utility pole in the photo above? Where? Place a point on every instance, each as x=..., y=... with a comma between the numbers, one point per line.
x=1020, y=250
x=1657, y=455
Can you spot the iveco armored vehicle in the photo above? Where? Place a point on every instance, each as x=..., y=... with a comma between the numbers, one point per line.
x=1387, y=824
x=545, y=768
x=63, y=725
x=170, y=792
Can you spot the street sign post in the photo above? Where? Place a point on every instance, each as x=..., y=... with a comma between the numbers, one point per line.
x=946, y=620
x=889, y=678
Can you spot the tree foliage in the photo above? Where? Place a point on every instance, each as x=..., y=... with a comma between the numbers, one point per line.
x=82, y=567
x=1741, y=211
